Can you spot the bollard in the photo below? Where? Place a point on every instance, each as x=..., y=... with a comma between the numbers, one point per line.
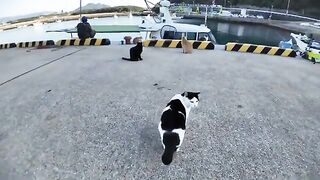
x=128, y=39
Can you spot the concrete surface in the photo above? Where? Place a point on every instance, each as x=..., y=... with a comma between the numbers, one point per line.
x=90, y=115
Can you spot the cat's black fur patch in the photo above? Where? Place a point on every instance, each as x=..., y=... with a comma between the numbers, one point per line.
x=176, y=105
x=191, y=95
x=135, y=53
x=171, y=118
x=171, y=141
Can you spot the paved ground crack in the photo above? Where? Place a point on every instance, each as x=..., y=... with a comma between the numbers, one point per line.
x=38, y=67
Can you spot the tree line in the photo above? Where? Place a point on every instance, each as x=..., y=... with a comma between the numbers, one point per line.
x=111, y=10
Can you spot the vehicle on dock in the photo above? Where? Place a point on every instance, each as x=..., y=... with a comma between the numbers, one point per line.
x=312, y=52
x=308, y=48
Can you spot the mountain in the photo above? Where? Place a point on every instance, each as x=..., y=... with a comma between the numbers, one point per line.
x=13, y=18
x=91, y=6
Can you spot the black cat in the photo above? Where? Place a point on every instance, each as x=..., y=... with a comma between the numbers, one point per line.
x=135, y=53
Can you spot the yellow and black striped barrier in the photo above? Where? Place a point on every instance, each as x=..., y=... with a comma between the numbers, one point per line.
x=84, y=42
x=35, y=44
x=7, y=46
x=177, y=44
x=260, y=49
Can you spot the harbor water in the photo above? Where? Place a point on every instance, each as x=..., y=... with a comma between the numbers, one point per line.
x=243, y=32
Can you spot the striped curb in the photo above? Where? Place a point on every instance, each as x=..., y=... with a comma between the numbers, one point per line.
x=84, y=42
x=7, y=46
x=177, y=44
x=260, y=49
x=35, y=44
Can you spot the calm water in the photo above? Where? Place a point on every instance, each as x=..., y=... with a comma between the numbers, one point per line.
x=244, y=33
x=224, y=32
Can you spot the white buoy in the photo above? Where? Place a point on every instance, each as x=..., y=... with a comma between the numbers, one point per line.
x=130, y=15
x=115, y=16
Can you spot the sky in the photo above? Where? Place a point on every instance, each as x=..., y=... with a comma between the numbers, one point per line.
x=22, y=7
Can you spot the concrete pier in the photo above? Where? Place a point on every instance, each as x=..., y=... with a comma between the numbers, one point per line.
x=83, y=113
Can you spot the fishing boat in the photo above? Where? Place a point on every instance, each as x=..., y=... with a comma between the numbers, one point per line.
x=163, y=27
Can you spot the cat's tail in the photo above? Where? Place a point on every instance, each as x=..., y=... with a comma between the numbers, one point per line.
x=128, y=59
x=171, y=141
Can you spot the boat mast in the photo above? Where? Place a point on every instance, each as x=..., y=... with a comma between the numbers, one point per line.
x=80, y=8
x=164, y=11
x=288, y=6
x=147, y=4
x=206, y=16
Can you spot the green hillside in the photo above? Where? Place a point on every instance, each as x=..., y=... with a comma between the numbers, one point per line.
x=112, y=9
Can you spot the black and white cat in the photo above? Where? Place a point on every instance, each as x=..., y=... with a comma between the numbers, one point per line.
x=135, y=53
x=173, y=122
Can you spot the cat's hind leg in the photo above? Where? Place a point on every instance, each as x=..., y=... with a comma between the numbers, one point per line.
x=126, y=59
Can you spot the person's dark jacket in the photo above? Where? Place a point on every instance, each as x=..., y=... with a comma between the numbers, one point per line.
x=85, y=31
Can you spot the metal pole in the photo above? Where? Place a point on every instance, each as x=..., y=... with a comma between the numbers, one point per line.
x=271, y=12
x=80, y=8
x=288, y=6
x=206, y=17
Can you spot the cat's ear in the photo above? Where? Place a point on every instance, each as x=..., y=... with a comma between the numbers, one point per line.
x=185, y=94
x=197, y=93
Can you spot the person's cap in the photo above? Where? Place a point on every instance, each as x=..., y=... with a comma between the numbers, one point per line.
x=84, y=19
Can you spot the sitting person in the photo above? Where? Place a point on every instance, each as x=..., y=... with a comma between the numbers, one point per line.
x=84, y=29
